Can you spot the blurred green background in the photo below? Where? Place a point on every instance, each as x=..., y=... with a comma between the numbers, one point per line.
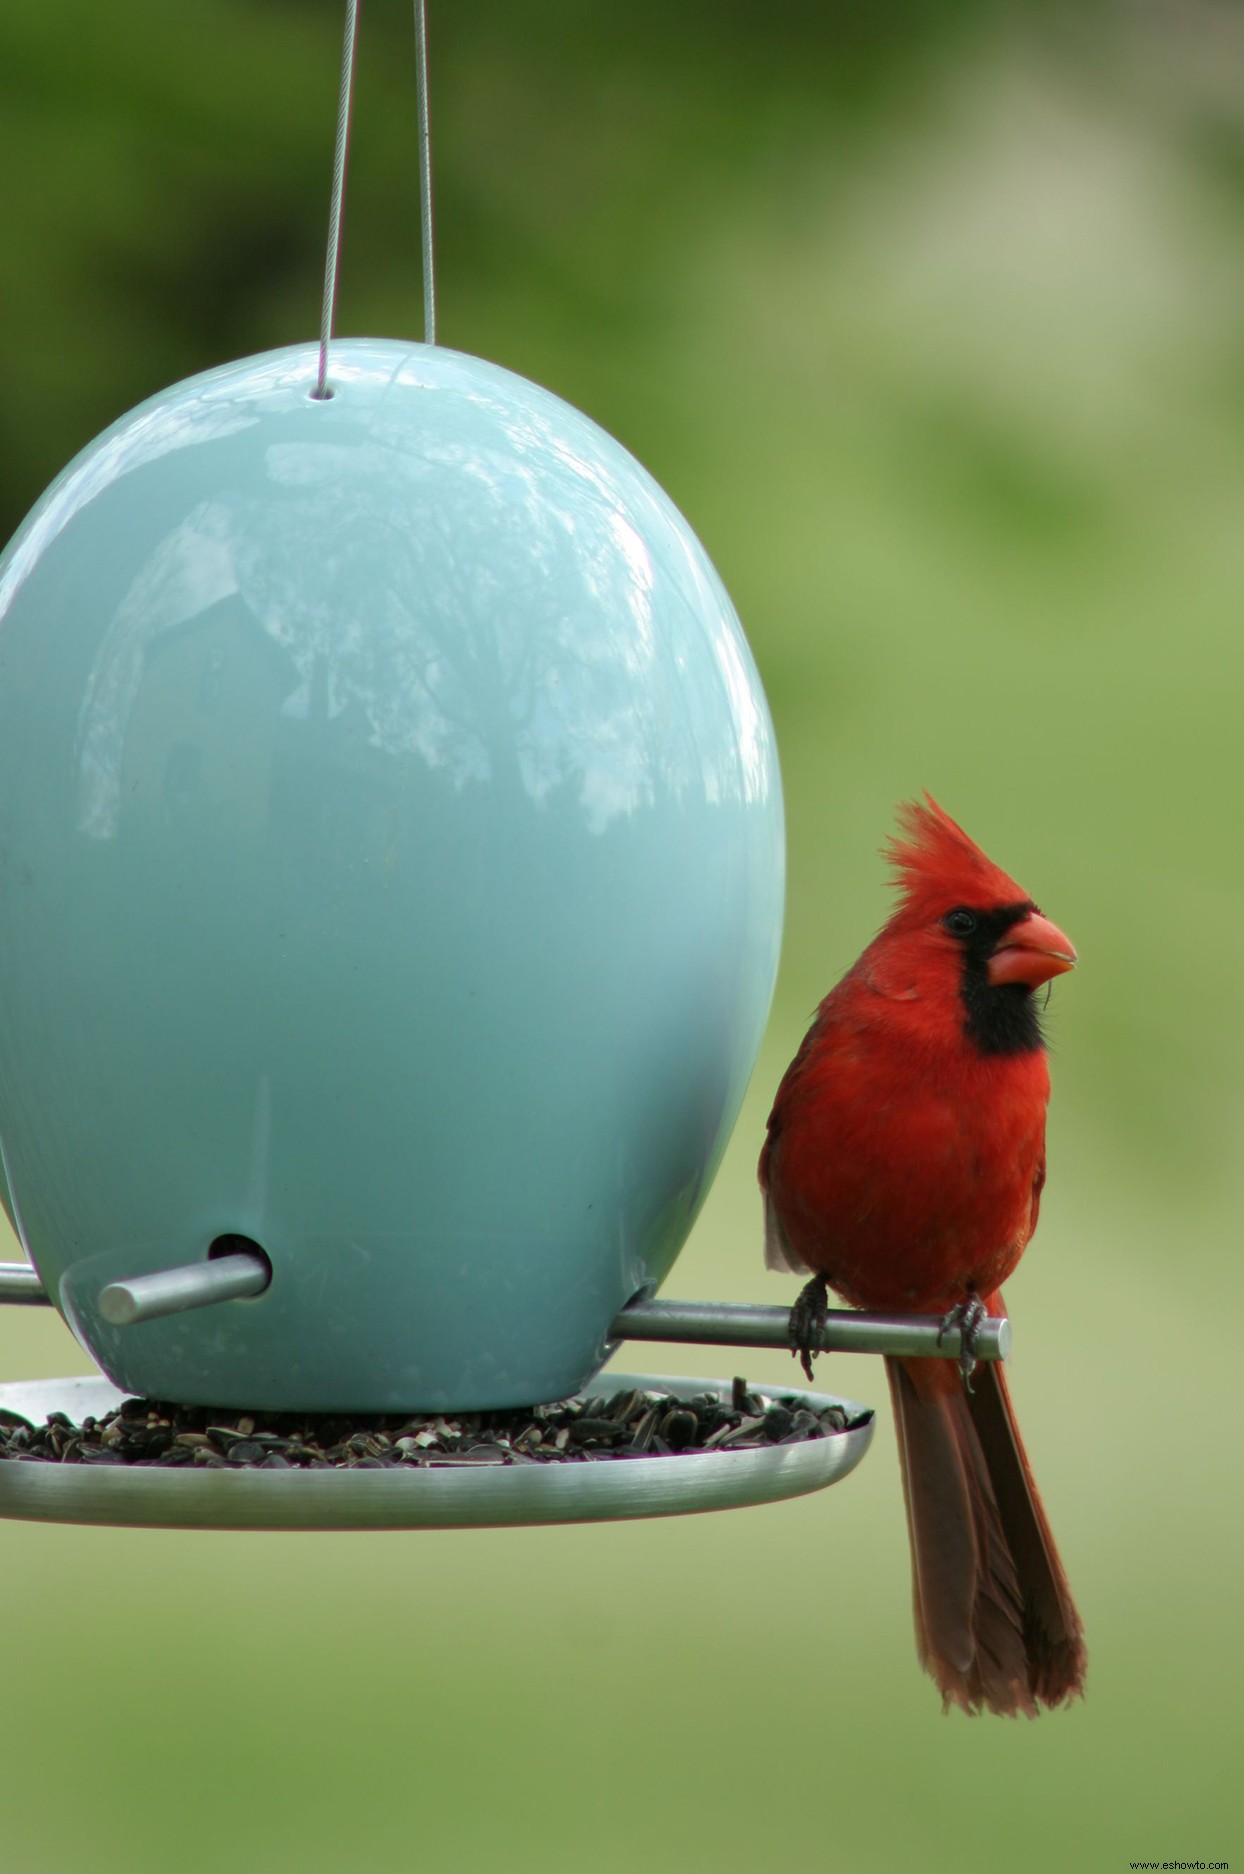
x=931, y=319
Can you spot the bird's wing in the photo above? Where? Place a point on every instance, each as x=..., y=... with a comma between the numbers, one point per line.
x=1038, y=1185
x=779, y=1254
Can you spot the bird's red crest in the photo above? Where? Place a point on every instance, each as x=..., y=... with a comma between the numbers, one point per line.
x=937, y=866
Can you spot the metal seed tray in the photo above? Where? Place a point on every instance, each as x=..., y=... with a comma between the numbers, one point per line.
x=481, y=1496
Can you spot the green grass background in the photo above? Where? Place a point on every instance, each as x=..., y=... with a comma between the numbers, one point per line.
x=932, y=321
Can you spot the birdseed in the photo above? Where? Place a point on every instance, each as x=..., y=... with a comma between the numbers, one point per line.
x=601, y=1428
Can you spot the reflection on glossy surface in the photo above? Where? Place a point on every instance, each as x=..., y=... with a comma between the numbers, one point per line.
x=390, y=871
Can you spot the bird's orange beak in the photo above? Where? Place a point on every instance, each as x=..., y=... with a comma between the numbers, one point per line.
x=1031, y=952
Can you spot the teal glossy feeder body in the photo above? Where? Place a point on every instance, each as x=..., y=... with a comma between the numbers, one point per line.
x=391, y=872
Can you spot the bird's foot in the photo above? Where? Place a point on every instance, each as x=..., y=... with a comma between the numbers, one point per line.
x=807, y=1321
x=966, y=1316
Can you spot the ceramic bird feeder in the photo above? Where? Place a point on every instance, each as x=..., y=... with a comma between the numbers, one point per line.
x=391, y=882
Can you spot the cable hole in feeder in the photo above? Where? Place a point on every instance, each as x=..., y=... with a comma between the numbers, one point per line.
x=233, y=1245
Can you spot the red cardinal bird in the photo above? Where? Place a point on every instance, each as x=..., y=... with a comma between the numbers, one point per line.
x=903, y=1166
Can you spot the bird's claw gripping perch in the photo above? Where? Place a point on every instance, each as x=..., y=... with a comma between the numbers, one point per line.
x=807, y=1321
x=966, y=1316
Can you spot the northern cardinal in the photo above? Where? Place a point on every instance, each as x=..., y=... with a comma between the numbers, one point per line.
x=903, y=1167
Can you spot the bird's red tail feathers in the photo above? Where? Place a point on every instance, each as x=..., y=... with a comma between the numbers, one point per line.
x=996, y=1626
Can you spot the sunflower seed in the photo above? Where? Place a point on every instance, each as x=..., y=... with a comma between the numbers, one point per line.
x=632, y=1424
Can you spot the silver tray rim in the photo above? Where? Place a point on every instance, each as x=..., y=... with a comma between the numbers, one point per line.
x=466, y=1497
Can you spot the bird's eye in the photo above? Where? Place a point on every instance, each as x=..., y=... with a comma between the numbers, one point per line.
x=960, y=922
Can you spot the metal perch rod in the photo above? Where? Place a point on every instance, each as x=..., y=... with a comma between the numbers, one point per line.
x=143, y=1297
x=740, y=1324
x=20, y=1284
x=712, y=1323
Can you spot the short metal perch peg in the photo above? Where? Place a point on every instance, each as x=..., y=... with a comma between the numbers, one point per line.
x=193, y=1285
